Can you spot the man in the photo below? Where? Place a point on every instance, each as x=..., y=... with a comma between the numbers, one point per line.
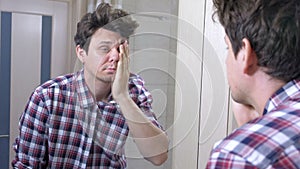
x=81, y=120
x=263, y=38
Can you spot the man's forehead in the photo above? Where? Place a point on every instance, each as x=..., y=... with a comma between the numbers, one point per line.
x=108, y=36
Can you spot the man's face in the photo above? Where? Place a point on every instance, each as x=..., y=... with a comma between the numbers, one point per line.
x=101, y=61
x=234, y=71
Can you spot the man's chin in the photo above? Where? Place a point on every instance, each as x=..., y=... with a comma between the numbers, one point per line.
x=106, y=79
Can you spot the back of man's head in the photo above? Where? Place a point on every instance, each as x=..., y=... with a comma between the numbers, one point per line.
x=271, y=26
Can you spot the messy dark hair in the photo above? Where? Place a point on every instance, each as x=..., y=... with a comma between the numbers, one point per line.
x=273, y=29
x=105, y=16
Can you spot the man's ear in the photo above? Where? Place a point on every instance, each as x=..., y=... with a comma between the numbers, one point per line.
x=81, y=54
x=249, y=58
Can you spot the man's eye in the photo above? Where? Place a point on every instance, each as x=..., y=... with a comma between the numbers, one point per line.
x=104, y=49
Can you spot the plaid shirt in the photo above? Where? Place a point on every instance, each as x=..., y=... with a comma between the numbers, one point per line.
x=271, y=141
x=63, y=127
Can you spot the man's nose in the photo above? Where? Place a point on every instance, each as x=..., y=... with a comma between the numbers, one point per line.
x=114, y=55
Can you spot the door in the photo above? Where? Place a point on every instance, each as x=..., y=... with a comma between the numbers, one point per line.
x=34, y=47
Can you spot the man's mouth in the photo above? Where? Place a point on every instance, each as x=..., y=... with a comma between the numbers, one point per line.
x=111, y=69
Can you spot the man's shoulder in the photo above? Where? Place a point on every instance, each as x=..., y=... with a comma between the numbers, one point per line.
x=266, y=129
x=136, y=82
x=261, y=139
x=135, y=78
x=63, y=82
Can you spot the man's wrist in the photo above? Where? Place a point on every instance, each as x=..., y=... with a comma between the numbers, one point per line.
x=123, y=98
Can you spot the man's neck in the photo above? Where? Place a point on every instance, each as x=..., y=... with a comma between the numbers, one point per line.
x=264, y=87
x=99, y=89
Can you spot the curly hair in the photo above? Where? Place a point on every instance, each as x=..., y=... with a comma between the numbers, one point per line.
x=105, y=16
x=273, y=29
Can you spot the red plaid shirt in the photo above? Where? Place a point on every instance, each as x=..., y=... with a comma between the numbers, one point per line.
x=63, y=127
x=271, y=141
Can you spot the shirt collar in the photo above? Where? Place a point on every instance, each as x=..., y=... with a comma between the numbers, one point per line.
x=288, y=91
x=83, y=94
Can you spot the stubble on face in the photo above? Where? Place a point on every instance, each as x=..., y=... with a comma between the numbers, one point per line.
x=237, y=93
x=106, y=78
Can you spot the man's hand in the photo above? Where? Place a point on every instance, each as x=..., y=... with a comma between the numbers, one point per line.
x=151, y=141
x=120, y=84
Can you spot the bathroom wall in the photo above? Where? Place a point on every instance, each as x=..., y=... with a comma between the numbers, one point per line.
x=153, y=55
x=201, y=105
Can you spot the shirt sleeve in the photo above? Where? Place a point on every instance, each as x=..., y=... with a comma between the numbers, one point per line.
x=30, y=146
x=223, y=159
x=143, y=98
